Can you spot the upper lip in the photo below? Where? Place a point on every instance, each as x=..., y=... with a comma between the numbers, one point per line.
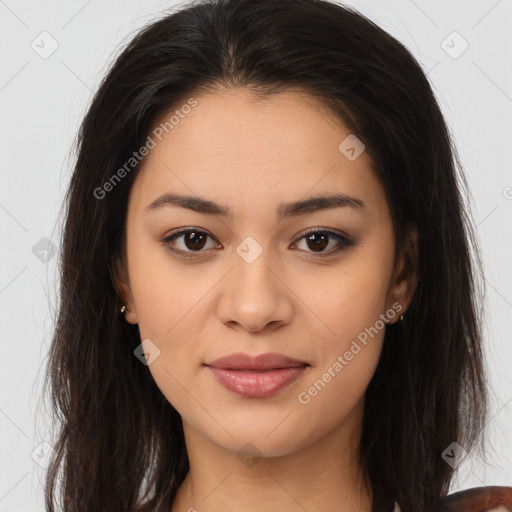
x=242, y=361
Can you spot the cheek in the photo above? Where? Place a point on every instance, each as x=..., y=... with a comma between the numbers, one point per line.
x=165, y=294
x=347, y=359
x=168, y=304
x=335, y=392
x=351, y=305
x=353, y=298
x=169, y=301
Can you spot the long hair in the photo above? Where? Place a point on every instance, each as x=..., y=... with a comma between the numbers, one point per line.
x=120, y=444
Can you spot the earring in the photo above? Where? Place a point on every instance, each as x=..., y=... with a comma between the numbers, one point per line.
x=402, y=319
x=123, y=310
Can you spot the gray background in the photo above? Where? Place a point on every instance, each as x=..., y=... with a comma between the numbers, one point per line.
x=43, y=98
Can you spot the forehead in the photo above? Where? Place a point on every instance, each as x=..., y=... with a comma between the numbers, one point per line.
x=236, y=123
x=241, y=148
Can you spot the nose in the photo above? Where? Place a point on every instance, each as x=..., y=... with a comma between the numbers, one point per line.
x=255, y=297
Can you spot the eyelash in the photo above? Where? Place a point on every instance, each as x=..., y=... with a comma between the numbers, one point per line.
x=344, y=241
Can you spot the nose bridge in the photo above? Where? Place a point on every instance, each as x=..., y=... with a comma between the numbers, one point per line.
x=253, y=261
x=254, y=296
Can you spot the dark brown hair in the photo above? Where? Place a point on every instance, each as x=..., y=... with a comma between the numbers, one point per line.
x=120, y=444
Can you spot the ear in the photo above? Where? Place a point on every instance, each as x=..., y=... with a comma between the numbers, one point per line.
x=122, y=284
x=405, y=278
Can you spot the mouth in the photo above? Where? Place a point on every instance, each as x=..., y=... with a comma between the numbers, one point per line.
x=256, y=377
x=257, y=383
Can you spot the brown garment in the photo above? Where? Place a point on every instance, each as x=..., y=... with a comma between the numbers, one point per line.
x=478, y=499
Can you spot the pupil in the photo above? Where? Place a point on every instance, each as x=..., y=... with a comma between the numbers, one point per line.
x=322, y=243
x=191, y=237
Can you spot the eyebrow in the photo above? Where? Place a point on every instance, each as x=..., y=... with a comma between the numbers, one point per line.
x=284, y=210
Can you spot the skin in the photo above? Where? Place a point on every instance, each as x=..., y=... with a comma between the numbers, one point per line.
x=251, y=155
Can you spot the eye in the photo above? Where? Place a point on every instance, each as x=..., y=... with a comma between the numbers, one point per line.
x=319, y=239
x=194, y=241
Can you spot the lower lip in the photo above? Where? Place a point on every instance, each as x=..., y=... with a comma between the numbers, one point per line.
x=257, y=384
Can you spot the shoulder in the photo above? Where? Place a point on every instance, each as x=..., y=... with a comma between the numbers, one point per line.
x=478, y=499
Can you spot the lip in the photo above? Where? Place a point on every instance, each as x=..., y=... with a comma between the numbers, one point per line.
x=268, y=361
x=256, y=377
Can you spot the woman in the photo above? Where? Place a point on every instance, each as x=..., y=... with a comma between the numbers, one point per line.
x=267, y=296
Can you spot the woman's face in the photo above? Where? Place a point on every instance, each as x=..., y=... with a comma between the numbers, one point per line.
x=257, y=280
